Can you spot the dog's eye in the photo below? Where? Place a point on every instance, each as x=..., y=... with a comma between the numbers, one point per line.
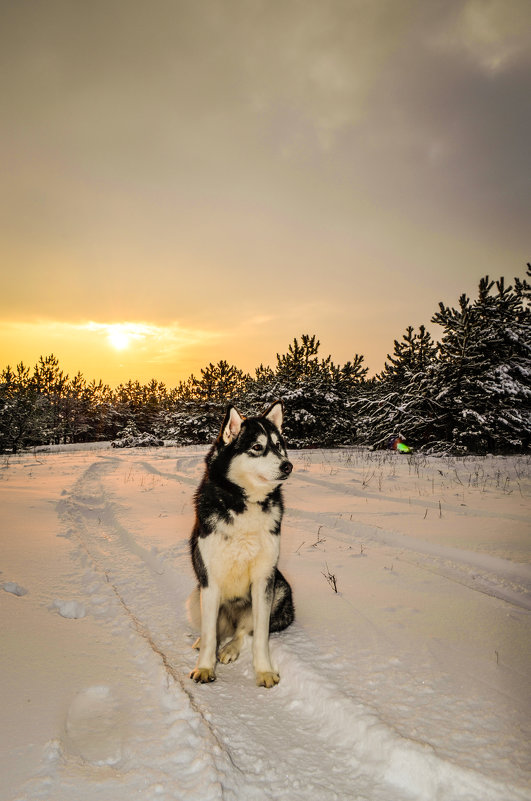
x=257, y=447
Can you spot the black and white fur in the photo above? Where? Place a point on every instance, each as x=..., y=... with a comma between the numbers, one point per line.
x=235, y=545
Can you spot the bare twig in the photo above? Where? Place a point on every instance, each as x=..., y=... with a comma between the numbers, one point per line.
x=330, y=577
x=319, y=539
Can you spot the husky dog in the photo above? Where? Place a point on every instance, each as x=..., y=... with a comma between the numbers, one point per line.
x=235, y=545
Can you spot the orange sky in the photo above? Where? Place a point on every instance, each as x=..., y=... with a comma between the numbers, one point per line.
x=209, y=180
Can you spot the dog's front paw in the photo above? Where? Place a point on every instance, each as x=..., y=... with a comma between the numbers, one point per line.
x=203, y=675
x=267, y=678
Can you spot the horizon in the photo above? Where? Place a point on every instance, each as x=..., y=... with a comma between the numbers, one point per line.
x=226, y=176
x=125, y=341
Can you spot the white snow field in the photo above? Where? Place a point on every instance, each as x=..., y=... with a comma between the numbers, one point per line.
x=412, y=681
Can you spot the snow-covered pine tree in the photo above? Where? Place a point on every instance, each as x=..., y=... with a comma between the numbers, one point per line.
x=484, y=374
x=75, y=418
x=300, y=361
x=23, y=412
x=140, y=404
x=195, y=410
x=411, y=356
x=190, y=422
x=50, y=384
x=317, y=394
x=131, y=437
x=219, y=383
x=400, y=400
x=98, y=411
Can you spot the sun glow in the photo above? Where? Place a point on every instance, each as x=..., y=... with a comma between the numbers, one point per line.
x=121, y=336
x=119, y=339
x=111, y=351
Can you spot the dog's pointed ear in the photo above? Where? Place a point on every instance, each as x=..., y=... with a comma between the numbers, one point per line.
x=231, y=425
x=275, y=414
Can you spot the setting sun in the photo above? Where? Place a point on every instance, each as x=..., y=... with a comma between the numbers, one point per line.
x=117, y=351
x=118, y=339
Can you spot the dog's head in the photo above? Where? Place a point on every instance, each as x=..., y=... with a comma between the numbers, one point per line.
x=255, y=450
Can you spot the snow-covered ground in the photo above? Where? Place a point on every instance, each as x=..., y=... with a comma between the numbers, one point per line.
x=411, y=682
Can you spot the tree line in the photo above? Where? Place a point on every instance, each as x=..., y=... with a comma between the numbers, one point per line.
x=468, y=391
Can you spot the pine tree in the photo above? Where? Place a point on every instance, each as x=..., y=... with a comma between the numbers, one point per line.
x=484, y=374
x=21, y=410
x=400, y=400
x=194, y=411
x=219, y=383
x=74, y=409
x=50, y=383
x=411, y=357
x=317, y=394
x=100, y=411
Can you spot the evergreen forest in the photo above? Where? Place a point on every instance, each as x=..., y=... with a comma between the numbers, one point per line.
x=466, y=391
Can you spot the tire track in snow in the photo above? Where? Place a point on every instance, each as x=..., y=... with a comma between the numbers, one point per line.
x=422, y=503
x=490, y=575
x=91, y=517
x=179, y=477
x=303, y=737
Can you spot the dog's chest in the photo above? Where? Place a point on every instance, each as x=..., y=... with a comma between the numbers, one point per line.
x=242, y=551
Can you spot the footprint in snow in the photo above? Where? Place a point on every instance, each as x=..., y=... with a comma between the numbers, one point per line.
x=14, y=588
x=95, y=726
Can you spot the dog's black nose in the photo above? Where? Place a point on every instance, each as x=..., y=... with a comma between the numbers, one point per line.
x=286, y=468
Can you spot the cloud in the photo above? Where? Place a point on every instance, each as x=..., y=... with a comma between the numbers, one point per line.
x=494, y=34
x=314, y=66
x=163, y=343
